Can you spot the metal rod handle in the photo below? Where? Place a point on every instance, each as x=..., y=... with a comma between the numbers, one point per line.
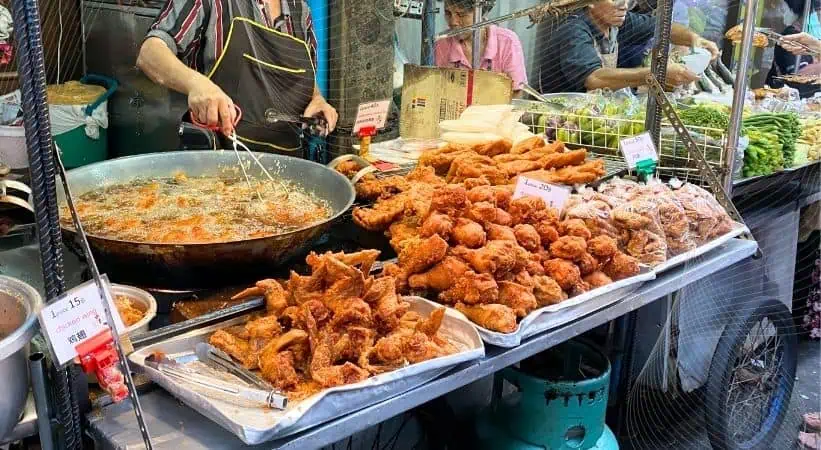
x=41, y=400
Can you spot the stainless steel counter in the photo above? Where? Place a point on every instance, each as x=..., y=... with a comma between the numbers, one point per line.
x=175, y=426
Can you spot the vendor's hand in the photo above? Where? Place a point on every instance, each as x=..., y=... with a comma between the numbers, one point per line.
x=211, y=106
x=789, y=42
x=710, y=46
x=678, y=75
x=319, y=107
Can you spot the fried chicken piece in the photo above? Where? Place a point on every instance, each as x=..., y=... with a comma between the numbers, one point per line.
x=472, y=288
x=276, y=297
x=371, y=188
x=559, y=160
x=517, y=297
x=503, y=218
x=363, y=260
x=237, y=348
x=527, y=237
x=532, y=210
x=285, y=341
x=441, y=276
x=602, y=246
x=587, y=263
x=468, y=233
x=564, y=272
x=440, y=159
x=528, y=144
x=431, y=325
x=515, y=167
x=476, y=166
x=621, y=266
x=353, y=343
x=265, y=327
x=522, y=277
x=597, y=279
x=580, y=288
x=493, y=148
x=568, y=247
x=348, y=168
x=482, y=193
x=437, y=223
x=649, y=248
x=503, y=195
x=402, y=232
x=278, y=369
x=574, y=227
x=571, y=175
x=418, y=347
x=451, y=200
x=500, y=233
x=496, y=257
x=383, y=213
x=389, y=310
x=420, y=254
x=547, y=291
x=417, y=201
x=482, y=212
x=425, y=175
x=356, y=312
x=494, y=317
x=547, y=232
x=534, y=265
x=398, y=274
x=472, y=183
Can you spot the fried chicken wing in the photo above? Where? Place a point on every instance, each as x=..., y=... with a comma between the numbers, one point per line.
x=559, y=160
x=420, y=254
x=602, y=246
x=382, y=214
x=437, y=223
x=441, y=276
x=547, y=291
x=494, y=317
x=597, y=279
x=517, y=297
x=389, y=310
x=472, y=288
x=564, y=272
x=431, y=325
x=278, y=369
x=493, y=148
x=451, y=200
x=468, y=233
x=527, y=237
x=500, y=233
x=528, y=145
x=515, y=167
x=496, y=257
x=621, y=266
x=570, y=175
x=531, y=210
x=568, y=247
x=239, y=349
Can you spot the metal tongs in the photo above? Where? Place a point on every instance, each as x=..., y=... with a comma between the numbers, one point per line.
x=314, y=125
x=235, y=140
x=779, y=39
x=216, y=388
x=218, y=359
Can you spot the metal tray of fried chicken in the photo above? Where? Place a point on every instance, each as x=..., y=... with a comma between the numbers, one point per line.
x=255, y=425
x=553, y=316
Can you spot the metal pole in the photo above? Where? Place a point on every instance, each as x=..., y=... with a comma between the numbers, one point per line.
x=41, y=399
x=805, y=26
x=734, y=132
x=428, y=31
x=477, y=37
x=661, y=53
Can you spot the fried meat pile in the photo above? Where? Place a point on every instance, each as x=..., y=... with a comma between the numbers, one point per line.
x=337, y=326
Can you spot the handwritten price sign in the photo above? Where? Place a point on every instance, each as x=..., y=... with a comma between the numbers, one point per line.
x=373, y=114
x=638, y=148
x=77, y=316
x=553, y=194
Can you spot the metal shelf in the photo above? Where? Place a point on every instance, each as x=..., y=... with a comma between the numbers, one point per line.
x=175, y=426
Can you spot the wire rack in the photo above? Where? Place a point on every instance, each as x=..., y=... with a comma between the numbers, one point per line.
x=601, y=136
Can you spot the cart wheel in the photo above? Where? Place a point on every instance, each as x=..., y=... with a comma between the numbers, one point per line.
x=751, y=378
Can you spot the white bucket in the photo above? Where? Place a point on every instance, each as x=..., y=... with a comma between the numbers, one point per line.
x=13, y=147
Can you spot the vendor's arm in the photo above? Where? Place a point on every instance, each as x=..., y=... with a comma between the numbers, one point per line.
x=681, y=35
x=319, y=106
x=171, y=35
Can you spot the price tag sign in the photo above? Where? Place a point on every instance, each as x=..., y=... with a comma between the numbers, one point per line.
x=638, y=148
x=373, y=114
x=553, y=194
x=77, y=316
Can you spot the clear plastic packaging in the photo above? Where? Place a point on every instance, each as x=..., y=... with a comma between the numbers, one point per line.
x=596, y=214
x=708, y=219
x=640, y=231
x=671, y=214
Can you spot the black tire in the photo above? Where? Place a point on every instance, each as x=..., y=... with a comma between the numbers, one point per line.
x=722, y=420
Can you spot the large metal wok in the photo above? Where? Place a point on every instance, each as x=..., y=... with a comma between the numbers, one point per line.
x=196, y=266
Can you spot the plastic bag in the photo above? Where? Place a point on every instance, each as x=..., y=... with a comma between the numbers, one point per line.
x=671, y=214
x=641, y=233
x=594, y=211
x=619, y=188
x=708, y=219
x=65, y=118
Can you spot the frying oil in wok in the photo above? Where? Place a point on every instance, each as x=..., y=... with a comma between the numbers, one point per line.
x=188, y=210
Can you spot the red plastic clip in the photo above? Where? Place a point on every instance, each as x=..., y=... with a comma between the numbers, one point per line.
x=99, y=356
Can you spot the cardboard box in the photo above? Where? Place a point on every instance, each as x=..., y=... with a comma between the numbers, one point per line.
x=433, y=94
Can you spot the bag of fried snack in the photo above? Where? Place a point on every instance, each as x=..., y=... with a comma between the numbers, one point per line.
x=640, y=231
x=708, y=219
x=671, y=214
x=619, y=188
x=595, y=212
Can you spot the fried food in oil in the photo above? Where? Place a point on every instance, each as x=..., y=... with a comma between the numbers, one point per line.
x=566, y=274
x=468, y=233
x=621, y=266
x=568, y=247
x=441, y=276
x=547, y=291
x=472, y=288
x=517, y=297
x=341, y=327
x=494, y=317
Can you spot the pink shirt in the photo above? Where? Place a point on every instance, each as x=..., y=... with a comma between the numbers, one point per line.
x=503, y=53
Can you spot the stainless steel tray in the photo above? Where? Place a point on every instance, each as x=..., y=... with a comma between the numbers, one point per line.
x=257, y=425
x=543, y=319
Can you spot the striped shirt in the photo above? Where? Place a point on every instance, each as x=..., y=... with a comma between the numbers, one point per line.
x=195, y=30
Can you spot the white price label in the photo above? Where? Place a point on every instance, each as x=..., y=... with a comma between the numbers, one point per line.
x=553, y=194
x=638, y=148
x=77, y=316
x=373, y=114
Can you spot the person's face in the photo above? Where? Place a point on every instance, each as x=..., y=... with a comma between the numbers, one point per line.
x=610, y=12
x=458, y=17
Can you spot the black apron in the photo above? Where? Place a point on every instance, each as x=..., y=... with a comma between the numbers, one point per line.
x=267, y=73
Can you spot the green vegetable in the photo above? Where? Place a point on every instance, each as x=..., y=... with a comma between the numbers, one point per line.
x=707, y=117
x=764, y=155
